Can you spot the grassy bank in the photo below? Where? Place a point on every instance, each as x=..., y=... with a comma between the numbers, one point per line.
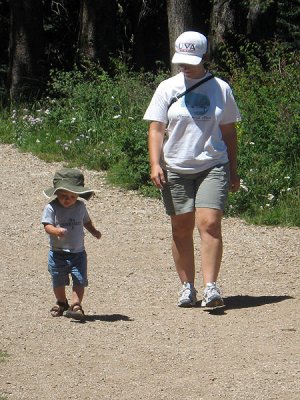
x=93, y=119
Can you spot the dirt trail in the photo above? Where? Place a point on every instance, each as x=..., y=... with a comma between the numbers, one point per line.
x=136, y=343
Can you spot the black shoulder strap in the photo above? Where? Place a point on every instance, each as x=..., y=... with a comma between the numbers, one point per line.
x=189, y=89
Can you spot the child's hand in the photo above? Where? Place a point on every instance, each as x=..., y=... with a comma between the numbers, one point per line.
x=97, y=234
x=61, y=232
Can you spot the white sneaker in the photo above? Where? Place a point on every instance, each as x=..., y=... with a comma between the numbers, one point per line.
x=187, y=295
x=212, y=297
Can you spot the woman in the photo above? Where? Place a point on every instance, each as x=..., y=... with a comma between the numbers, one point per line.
x=193, y=159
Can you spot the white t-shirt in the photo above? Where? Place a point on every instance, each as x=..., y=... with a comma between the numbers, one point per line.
x=72, y=219
x=193, y=137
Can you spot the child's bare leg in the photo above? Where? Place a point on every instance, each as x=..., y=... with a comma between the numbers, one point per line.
x=77, y=294
x=60, y=294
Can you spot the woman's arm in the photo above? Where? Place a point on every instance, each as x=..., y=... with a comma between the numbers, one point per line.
x=155, y=143
x=230, y=138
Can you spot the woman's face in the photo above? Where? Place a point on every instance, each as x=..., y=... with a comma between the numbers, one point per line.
x=192, y=71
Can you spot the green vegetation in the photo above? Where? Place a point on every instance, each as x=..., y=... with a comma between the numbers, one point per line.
x=94, y=119
x=3, y=357
x=269, y=136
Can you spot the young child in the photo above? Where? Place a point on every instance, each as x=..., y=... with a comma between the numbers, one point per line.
x=64, y=219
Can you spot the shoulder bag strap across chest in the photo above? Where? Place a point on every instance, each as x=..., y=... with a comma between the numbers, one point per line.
x=174, y=99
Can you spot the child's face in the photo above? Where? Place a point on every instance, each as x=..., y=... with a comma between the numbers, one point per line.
x=66, y=199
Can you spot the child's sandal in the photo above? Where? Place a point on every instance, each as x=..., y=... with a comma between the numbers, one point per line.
x=76, y=312
x=59, y=308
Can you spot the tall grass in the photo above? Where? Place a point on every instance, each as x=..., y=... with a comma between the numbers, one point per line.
x=93, y=119
x=3, y=357
x=269, y=136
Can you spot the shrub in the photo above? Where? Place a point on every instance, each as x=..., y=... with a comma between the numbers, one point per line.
x=93, y=119
x=269, y=139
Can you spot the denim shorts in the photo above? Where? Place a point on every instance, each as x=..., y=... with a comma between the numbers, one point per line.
x=207, y=189
x=61, y=264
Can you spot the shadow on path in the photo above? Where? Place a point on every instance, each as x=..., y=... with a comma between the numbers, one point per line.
x=234, y=302
x=241, y=301
x=105, y=318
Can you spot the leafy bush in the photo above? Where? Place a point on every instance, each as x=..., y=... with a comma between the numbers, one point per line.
x=94, y=119
x=91, y=119
x=269, y=137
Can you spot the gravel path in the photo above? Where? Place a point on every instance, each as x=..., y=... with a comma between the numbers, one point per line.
x=136, y=343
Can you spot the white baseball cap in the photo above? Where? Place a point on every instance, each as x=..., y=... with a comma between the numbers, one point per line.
x=189, y=48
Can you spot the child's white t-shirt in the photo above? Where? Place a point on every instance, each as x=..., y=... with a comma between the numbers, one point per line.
x=72, y=219
x=193, y=136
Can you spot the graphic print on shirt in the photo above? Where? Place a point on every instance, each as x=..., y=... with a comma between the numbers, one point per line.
x=70, y=224
x=197, y=104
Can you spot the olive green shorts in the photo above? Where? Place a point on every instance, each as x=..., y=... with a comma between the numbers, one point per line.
x=185, y=192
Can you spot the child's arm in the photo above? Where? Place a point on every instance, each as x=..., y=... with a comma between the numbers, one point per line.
x=55, y=231
x=90, y=227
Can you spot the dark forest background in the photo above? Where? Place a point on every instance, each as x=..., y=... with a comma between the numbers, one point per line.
x=40, y=35
x=77, y=75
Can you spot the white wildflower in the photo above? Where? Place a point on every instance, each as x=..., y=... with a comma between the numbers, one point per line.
x=242, y=186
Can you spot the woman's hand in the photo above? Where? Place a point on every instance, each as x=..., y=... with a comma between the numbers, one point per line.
x=157, y=176
x=234, y=183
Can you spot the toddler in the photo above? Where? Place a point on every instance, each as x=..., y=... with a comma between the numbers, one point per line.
x=64, y=219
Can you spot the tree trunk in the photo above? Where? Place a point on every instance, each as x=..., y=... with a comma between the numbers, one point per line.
x=180, y=19
x=261, y=19
x=221, y=25
x=26, y=71
x=98, y=34
x=149, y=32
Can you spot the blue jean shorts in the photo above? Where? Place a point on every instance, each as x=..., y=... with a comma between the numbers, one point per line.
x=207, y=189
x=62, y=264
